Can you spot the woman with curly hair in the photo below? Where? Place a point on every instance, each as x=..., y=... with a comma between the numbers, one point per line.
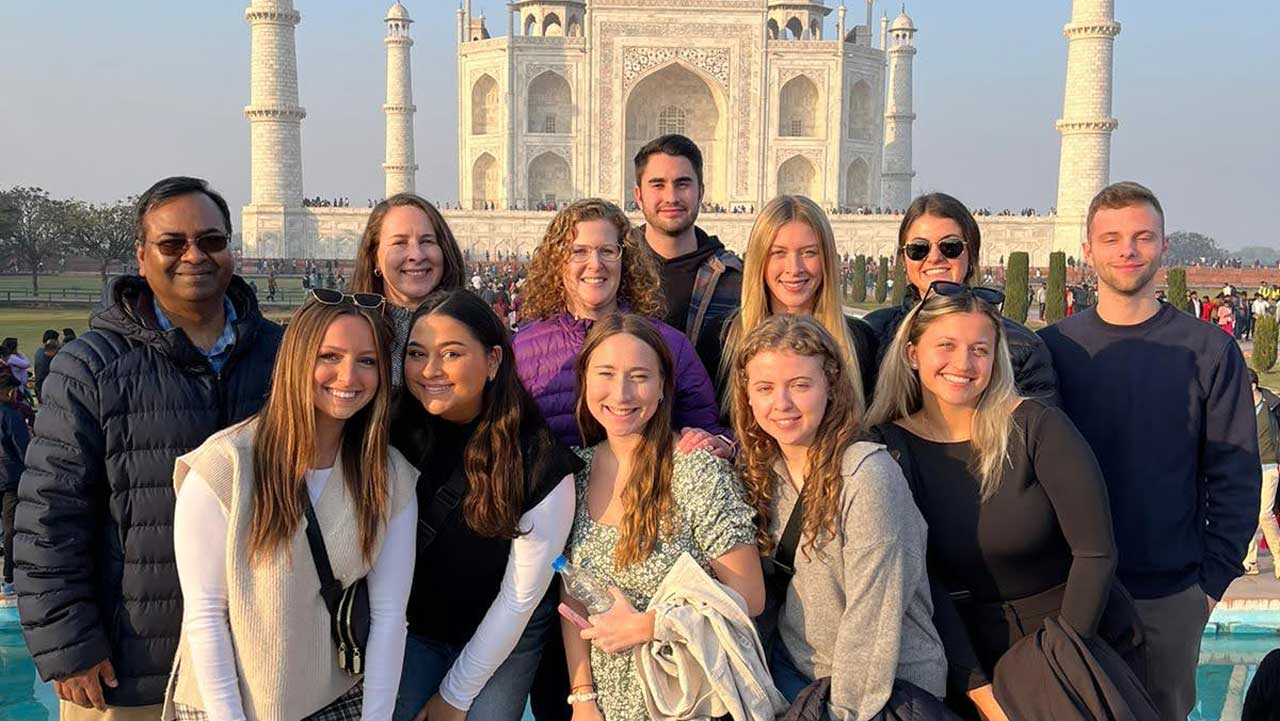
x=640, y=507
x=585, y=269
x=852, y=587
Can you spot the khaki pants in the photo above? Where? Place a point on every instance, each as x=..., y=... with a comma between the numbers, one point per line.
x=1267, y=521
x=68, y=711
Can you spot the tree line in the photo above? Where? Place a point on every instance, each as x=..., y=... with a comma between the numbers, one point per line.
x=38, y=232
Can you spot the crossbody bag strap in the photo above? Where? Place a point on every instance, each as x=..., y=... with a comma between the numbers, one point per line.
x=330, y=589
x=784, y=555
x=447, y=498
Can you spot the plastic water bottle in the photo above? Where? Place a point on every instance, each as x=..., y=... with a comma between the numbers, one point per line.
x=583, y=586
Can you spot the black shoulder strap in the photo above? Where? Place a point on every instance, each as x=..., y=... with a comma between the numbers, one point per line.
x=447, y=498
x=784, y=555
x=330, y=589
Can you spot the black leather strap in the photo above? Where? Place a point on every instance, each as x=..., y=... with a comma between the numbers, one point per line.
x=447, y=498
x=784, y=555
x=330, y=589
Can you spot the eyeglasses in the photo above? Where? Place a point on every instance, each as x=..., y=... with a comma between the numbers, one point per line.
x=580, y=254
x=947, y=289
x=174, y=247
x=329, y=296
x=951, y=247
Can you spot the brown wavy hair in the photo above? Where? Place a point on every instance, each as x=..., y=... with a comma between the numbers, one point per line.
x=646, y=496
x=639, y=289
x=365, y=280
x=285, y=442
x=839, y=428
x=493, y=459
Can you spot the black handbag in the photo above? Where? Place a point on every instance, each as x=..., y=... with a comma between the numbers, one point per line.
x=348, y=607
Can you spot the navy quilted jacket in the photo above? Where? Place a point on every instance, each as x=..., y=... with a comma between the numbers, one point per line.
x=547, y=349
x=95, y=568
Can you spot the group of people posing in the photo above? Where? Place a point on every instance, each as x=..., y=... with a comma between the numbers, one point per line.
x=926, y=513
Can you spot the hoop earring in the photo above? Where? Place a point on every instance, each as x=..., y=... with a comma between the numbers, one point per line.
x=377, y=273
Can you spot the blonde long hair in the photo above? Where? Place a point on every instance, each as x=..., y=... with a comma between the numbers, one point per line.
x=899, y=393
x=647, y=503
x=828, y=309
x=285, y=443
x=839, y=428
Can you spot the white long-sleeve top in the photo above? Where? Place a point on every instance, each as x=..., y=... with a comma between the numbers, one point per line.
x=524, y=583
x=200, y=524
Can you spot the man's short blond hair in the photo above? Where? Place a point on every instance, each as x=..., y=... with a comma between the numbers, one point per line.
x=1123, y=195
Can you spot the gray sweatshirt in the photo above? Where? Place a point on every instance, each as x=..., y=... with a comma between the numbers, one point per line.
x=858, y=609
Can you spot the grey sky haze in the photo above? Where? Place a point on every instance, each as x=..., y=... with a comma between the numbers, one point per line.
x=102, y=98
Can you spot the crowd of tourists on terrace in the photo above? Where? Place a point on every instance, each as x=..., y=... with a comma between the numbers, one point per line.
x=757, y=505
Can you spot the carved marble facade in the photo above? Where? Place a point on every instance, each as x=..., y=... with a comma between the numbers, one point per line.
x=554, y=118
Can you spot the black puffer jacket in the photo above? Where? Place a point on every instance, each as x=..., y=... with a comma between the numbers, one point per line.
x=95, y=572
x=1032, y=365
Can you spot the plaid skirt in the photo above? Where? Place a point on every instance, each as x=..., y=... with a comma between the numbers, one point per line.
x=344, y=708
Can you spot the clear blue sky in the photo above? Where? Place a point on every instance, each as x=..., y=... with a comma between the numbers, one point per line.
x=99, y=99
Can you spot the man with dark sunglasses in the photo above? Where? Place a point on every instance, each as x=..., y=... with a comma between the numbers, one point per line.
x=180, y=352
x=1164, y=401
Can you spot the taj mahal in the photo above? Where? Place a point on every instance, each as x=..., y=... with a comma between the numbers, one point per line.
x=556, y=110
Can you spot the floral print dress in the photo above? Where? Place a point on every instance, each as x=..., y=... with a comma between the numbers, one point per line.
x=711, y=518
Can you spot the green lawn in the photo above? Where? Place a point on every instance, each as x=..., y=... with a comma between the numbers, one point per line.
x=28, y=324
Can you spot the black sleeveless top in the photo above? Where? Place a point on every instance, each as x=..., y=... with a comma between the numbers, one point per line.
x=458, y=576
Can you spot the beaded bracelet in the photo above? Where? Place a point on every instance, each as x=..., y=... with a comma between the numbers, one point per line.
x=582, y=697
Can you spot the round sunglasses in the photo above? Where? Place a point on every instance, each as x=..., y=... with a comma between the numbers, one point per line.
x=951, y=247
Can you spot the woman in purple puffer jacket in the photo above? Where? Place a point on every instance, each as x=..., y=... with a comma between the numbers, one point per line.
x=586, y=268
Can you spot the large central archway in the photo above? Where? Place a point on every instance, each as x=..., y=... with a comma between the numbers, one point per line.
x=677, y=99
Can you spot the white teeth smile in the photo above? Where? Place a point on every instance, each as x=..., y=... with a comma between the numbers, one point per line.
x=619, y=412
x=937, y=271
x=342, y=395
x=955, y=379
x=436, y=389
x=594, y=281
x=417, y=271
x=794, y=285
x=786, y=423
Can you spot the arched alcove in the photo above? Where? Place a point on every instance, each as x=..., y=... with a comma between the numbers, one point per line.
x=484, y=181
x=550, y=104
x=857, y=184
x=549, y=180
x=797, y=176
x=676, y=98
x=798, y=108
x=484, y=106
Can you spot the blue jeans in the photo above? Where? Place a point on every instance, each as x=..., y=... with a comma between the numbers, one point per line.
x=786, y=676
x=426, y=662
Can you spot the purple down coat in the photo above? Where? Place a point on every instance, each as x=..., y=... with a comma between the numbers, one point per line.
x=547, y=349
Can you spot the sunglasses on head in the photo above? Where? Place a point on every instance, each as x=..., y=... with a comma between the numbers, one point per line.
x=951, y=247
x=329, y=296
x=949, y=289
x=208, y=244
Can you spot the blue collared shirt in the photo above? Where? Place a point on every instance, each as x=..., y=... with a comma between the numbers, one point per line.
x=221, y=349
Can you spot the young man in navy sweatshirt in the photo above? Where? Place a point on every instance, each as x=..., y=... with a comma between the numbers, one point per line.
x=1164, y=400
